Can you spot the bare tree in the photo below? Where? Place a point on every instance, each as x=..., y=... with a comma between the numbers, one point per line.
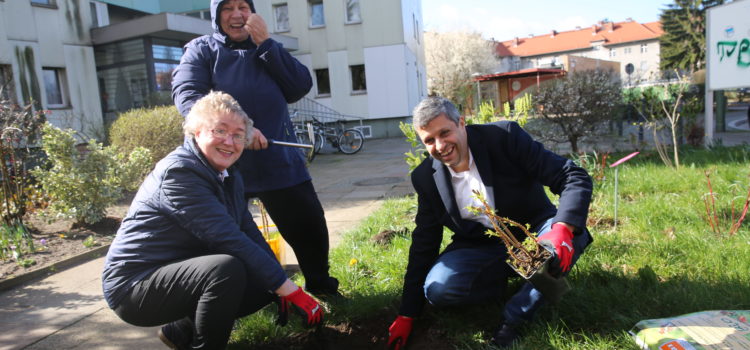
x=664, y=105
x=578, y=104
x=452, y=58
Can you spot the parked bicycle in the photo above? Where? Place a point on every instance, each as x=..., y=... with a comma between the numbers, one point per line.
x=348, y=141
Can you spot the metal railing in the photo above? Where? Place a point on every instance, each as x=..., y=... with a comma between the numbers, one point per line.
x=307, y=110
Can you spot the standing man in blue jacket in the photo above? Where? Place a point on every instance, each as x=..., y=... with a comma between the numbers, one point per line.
x=510, y=169
x=241, y=59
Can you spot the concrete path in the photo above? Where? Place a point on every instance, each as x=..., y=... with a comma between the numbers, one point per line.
x=67, y=311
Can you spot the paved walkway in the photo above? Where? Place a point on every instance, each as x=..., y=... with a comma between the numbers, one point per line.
x=67, y=311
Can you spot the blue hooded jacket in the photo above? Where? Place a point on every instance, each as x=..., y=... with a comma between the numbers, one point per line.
x=263, y=79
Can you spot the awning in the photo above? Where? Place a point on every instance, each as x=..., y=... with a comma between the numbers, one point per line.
x=529, y=72
x=168, y=26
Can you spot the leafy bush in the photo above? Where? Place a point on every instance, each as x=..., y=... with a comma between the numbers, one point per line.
x=82, y=185
x=158, y=129
x=19, y=128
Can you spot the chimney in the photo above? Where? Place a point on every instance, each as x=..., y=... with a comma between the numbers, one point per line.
x=554, y=32
x=593, y=29
x=629, y=19
x=578, y=27
x=610, y=27
x=515, y=42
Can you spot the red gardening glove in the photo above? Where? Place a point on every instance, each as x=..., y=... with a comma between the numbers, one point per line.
x=305, y=305
x=398, y=332
x=562, y=239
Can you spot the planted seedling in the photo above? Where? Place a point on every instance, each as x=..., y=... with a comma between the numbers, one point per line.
x=528, y=258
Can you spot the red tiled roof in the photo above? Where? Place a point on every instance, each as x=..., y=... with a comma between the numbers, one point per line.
x=580, y=39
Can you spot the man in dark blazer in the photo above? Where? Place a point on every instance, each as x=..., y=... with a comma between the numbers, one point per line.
x=510, y=169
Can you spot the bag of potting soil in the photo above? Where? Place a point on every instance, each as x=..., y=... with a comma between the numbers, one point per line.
x=706, y=330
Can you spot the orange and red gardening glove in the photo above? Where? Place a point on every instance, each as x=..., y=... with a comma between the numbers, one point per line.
x=398, y=332
x=562, y=240
x=304, y=304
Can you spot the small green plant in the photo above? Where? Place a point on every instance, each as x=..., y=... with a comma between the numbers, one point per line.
x=158, y=129
x=82, y=185
x=526, y=256
x=15, y=241
x=26, y=262
x=487, y=114
x=594, y=163
x=522, y=106
x=90, y=242
x=418, y=153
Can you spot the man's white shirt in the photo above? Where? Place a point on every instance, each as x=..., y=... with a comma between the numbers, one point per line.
x=463, y=184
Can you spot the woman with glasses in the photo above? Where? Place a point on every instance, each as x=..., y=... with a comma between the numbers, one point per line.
x=188, y=253
x=241, y=59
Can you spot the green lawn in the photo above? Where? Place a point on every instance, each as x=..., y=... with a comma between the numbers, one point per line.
x=662, y=260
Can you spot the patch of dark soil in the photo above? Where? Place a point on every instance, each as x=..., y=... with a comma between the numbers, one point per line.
x=370, y=333
x=386, y=236
x=57, y=241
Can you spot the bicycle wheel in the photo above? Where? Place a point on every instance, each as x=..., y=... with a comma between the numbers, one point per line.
x=319, y=141
x=351, y=141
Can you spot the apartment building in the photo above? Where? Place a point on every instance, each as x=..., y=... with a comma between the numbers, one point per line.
x=46, y=58
x=635, y=46
x=85, y=61
x=366, y=57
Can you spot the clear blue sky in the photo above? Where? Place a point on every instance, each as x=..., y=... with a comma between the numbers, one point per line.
x=506, y=19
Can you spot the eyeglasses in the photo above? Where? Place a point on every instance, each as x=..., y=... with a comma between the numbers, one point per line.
x=222, y=134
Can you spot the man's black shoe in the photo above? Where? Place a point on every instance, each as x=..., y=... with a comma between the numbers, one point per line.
x=177, y=335
x=505, y=336
x=327, y=290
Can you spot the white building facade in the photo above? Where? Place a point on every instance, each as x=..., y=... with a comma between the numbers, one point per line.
x=46, y=58
x=366, y=57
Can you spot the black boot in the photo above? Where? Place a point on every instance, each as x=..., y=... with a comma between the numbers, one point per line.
x=325, y=289
x=178, y=334
x=505, y=336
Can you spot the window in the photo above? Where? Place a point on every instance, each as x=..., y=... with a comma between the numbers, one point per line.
x=44, y=2
x=164, y=52
x=281, y=18
x=359, y=84
x=417, y=29
x=644, y=48
x=94, y=16
x=317, y=19
x=612, y=52
x=324, y=84
x=53, y=86
x=6, y=83
x=627, y=50
x=163, y=72
x=352, y=11
x=205, y=14
x=414, y=25
x=99, y=14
